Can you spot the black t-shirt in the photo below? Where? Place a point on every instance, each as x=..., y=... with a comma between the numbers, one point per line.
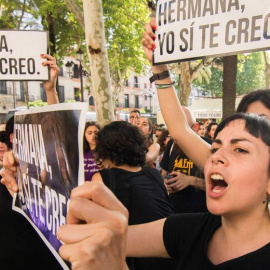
x=190, y=199
x=144, y=195
x=20, y=245
x=186, y=238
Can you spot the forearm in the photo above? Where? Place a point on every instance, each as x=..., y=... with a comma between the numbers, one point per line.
x=153, y=152
x=146, y=240
x=197, y=182
x=52, y=97
x=191, y=144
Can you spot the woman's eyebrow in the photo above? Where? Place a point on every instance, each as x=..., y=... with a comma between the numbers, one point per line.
x=233, y=141
x=236, y=140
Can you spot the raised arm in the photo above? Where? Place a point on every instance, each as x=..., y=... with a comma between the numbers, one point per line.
x=50, y=86
x=193, y=146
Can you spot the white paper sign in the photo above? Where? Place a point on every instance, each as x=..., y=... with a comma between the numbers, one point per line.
x=192, y=29
x=20, y=55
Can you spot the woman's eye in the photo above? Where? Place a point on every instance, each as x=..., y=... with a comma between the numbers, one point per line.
x=213, y=150
x=241, y=150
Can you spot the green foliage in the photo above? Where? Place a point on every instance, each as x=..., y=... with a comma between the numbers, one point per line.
x=70, y=101
x=124, y=23
x=39, y=15
x=213, y=86
x=250, y=76
x=250, y=72
x=37, y=103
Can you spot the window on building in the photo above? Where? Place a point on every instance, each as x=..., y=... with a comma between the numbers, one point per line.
x=3, y=87
x=136, y=101
x=77, y=94
x=126, y=101
x=76, y=72
x=61, y=93
x=126, y=83
x=43, y=93
x=61, y=72
x=145, y=85
x=136, y=82
x=91, y=101
x=21, y=91
x=145, y=97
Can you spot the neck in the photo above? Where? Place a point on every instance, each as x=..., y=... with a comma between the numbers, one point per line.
x=127, y=167
x=246, y=230
x=238, y=236
x=92, y=147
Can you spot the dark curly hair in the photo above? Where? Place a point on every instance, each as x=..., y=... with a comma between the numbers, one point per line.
x=122, y=143
x=86, y=146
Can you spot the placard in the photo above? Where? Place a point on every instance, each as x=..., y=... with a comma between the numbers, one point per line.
x=20, y=55
x=192, y=29
x=48, y=146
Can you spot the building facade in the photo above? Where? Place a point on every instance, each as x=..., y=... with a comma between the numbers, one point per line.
x=137, y=92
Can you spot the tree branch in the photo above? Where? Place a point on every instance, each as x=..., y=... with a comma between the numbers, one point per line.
x=77, y=12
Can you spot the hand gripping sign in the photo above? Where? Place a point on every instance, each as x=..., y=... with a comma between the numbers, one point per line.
x=192, y=29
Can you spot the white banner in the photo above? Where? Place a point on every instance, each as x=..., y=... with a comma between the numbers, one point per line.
x=20, y=55
x=192, y=29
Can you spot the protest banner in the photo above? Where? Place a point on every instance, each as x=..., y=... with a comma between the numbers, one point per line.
x=20, y=55
x=48, y=146
x=193, y=29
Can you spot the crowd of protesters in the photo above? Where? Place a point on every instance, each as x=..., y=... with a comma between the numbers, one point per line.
x=191, y=194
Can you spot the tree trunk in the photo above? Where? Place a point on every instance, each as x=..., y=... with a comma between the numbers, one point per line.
x=267, y=70
x=229, y=85
x=99, y=67
x=185, y=84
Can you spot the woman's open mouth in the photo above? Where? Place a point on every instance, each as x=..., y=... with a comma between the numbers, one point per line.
x=217, y=183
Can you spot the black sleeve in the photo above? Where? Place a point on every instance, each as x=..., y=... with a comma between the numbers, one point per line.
x=164, y=164
x=186, y=234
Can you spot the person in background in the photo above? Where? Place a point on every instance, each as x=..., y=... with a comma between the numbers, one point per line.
x=158, y=130
x=122, y=148
x=201, y=130
x=4, y=146
x=257, y=102
x=146, y=127
x=162, y=140
x=134, y=116
x=89, y=146
x=184, y=181
x=210, y=130
x=206, y=122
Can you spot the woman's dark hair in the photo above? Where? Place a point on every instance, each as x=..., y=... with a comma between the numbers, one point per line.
x=161, y=139
x=257, y=126
x=4, y=138
x=151, y=127
x=86, y=146
x=259, y=95
x=208, y=129
x=122, y=143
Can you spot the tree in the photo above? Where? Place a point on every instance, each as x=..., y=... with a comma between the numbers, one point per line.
x=250, y=72
x=229, y=85
x=213, y=87
x=267, y=69
x=99, y=66
x=188, y=72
